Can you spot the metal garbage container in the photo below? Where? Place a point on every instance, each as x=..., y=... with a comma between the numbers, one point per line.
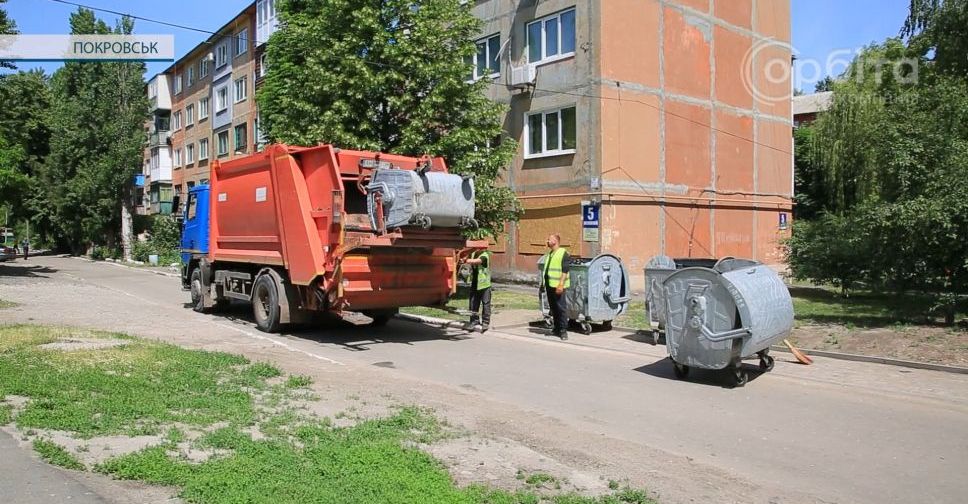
x=599, y=292
x=714, y=317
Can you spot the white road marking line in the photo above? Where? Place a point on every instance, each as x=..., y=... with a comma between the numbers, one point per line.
x=279, y=343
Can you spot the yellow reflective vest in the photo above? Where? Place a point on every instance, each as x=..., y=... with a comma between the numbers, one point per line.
x=552, y=268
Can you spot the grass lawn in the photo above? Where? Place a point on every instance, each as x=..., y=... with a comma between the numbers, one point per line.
x=822, y=305
x=6, y=304
x=501, y=299
x=142, y=387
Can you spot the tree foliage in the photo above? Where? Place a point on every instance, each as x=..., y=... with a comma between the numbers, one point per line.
x=96, y=120
x=886, y=172
x=7, y=27
x=24, y=136
x=388, y=75
x=941, y=27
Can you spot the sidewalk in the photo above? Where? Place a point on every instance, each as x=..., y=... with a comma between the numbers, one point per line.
x=25, y=479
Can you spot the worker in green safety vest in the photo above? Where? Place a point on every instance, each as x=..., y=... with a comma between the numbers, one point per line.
x=555, y=280
x=480, y=299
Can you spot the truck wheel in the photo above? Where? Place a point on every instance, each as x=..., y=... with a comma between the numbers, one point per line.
x=265, y=304
x=198, y=302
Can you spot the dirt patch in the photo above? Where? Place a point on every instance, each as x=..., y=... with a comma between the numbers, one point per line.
x=76, y=344
x=935, y=345
x=507, y=464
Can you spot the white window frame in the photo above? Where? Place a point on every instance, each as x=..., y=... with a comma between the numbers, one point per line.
x=242, y=42
x=218, y=145
x=488, y=57
x=190, y=153
x=178, y=84
x=545, y=59
x=176, y=120
x=203, y=105
x=545, y=151
x=190, y=115
x=221, y=104
x=245, y=89
x=178, y=157
x=203, y=149
x=203, y=68
x=191, y=76
x=221, y=55
x=263, y=66
x=235, y=137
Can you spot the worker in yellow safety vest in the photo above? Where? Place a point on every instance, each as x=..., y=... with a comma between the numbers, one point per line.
x=480, y=298
x=555, y=281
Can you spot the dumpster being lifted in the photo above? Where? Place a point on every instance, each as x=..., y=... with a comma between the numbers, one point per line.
x=599, y=293
x=300, y=230
x=714, y=313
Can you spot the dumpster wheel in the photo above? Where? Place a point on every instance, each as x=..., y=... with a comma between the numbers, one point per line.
x=740, y=376
x=586, y=327
x=681, y=370
x=766, y=362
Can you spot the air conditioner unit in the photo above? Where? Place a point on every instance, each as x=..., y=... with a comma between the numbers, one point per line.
x=523, y=77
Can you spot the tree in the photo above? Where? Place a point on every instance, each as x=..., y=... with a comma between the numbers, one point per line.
x=388, y=75
x=97, y=116
x=940, y=26
x=7, y=27
x=827, y=84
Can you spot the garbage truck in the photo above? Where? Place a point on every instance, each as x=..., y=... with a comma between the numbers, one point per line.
x=298, y=231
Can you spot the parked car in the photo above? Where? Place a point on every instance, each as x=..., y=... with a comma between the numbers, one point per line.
x=7, y=253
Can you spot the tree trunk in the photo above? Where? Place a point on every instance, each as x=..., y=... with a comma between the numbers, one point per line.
x=127, y=225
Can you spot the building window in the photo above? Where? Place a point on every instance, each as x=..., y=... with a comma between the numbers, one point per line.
x=191, y=75
x=260, y=137
x=242, y=41
x=263, y=65
x=189, y=115
x=153, y=89
x=203, y=68
x=190, y=153
x=203, y=149
x=221, y=55
x=221, y=99
x=550, y=133
x=178, y=84
x=223, y=143
x=178, y=157
x=265, y=20
x=552, y=38
x=487, y=61
x=240, y=138
x=177, y=120
x=203, y=108
x=241, y=90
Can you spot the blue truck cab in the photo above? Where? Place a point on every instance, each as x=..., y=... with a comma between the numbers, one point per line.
x=195, y=227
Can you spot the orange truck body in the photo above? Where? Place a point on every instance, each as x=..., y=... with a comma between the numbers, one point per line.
x=301, y=211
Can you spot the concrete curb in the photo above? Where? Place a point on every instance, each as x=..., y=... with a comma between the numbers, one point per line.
x=817, y=353
x=123, y=265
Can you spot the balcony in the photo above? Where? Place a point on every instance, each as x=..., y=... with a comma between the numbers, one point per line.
x=159, y=139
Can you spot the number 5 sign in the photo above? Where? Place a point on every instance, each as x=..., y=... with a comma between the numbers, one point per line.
x=590, y=222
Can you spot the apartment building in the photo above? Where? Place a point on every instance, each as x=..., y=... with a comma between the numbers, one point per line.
x=645, y=127
x=207, y=110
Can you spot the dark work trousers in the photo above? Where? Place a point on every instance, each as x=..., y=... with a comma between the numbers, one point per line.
x=559, y=309
x=481, y=306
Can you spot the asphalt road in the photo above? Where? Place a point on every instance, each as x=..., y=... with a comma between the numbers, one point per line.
x=836, y=431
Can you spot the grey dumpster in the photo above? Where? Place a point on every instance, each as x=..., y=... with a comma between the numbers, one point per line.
x=714, y=317
x=598, y=294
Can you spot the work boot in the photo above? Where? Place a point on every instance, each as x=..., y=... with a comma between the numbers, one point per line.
x=478, y=328
x=469, y=327
x=483, y=328
x=563, y=335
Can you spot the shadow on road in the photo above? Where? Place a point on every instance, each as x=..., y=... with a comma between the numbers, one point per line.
x=722, y=378
x=355, y=332
x=25, y=269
